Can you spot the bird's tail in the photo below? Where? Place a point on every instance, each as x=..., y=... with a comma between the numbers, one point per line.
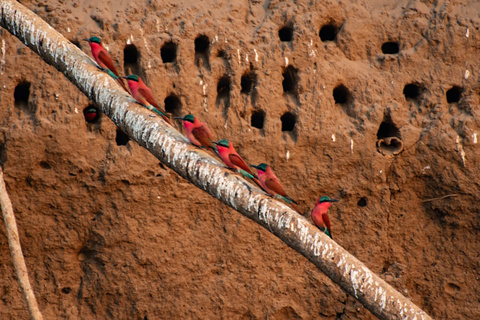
x=118, y=79
x=160, y=113
x=292, y=203
x=251, y=176
x=327, y=232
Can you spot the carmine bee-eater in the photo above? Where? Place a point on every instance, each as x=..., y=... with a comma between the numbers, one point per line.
x=197, y=132
x=91, y=114
x=271, y=184
x=320, y=216
x=104, y=60
x=232, y=159
x=144, y=96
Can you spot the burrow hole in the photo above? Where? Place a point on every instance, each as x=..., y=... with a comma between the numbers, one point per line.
x=121, y=138
x=202, y=49
x=390, y=47
x=223, y=88
x=342, y=95
x=362, y=202
x=21, y=95
x=413, y=91
x=290, y=80
x=387, y=129
x=91, y=114
x=286, y=34
x=169, y=52
x=258, y=119
x=130, y=59
x=454, y=94
x=328, y=32
x=173, y=105
x=288, y=121
x=248, y=82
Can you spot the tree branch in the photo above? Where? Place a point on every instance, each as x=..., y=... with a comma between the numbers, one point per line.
x=16, y=251
x=204, y=171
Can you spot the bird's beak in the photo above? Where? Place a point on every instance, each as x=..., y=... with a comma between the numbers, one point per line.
x=86, y=39
x=253, y=166
x=178, y=118
x=123, y=77
x=334, y=200
x=214, y=142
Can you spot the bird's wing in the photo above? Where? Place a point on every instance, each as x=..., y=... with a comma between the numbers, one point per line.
x=326, y=219
x=147, y=94
x=275, y=185
x=104, y=58
x=203, y=135
x=239, y=162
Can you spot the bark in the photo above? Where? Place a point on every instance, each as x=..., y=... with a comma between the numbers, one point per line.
x=16, y=251
x=204, y=171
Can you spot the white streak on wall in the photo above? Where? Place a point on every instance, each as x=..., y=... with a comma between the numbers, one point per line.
x=256, y=55
x=2, y=59
x=333, y=137
x=474, y=138
x=286, y=62
x=351, y=145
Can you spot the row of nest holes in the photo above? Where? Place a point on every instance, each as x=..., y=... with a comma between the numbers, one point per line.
x=329, y=32
x=168, y=52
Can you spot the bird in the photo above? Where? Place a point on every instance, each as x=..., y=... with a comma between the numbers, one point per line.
x=104, y=60
x=197, y=132
x=91, y=114
x=233, y=160
x=271, y=184
x=144, y=96
x=320, y=216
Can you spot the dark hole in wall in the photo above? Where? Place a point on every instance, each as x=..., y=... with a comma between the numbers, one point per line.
x=202, y=48
x=121, y=138
x=342, y=95
x=130, y=59
x=290, y=80
x=328, y=33
x=387, y=129
x=454, y=94
x=258, y=119
x=286, y=34
x=362, y=202
x=248, y=82
x=21, y=95
x=390, y=47
x=173, y=105
x=168, y=52
x=412, y=91
x=288, y=121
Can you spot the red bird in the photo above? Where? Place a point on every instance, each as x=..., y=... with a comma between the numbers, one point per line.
x=271, y=184
x=197, y=132
x=232, y=159
x=144, y=96
x=320, y=216
x=103, y=59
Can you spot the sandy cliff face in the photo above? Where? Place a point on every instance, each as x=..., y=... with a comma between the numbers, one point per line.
x=310, y=88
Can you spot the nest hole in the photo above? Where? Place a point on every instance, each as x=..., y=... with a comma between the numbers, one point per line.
x=285, y=34
x=454, y=94
x=362, y=202
x=130, y=59
x=21, y=95
x=173, y=105
x=288, y=121
x=248, y=82
x=121, y=138
x=390, y=47
x=412, y=91
x=258, y=119
x=342, y=95
x=328, y=32
x=290, y=80
x=168, y=52
x=91, y=114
